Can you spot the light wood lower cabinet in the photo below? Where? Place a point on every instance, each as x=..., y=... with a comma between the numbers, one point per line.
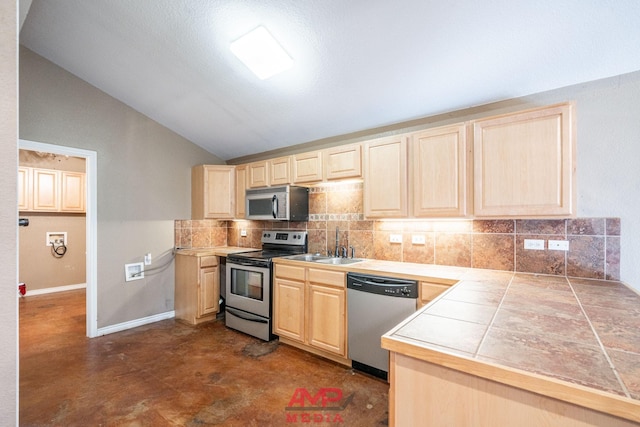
x=197, y=288
x=426, y=394
x=310, y=309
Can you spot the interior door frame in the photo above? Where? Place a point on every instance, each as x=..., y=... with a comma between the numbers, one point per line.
x=91, y=164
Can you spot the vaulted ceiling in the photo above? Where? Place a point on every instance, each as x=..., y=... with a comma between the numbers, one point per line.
x=358, y=64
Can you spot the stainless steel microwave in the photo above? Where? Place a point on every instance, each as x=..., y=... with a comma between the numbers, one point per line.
x=286, y=203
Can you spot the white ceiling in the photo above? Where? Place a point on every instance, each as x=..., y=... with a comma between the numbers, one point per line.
x=359, y=64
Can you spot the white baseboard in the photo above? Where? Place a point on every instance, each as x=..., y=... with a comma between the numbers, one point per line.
x=55, y=289
x=135, y=323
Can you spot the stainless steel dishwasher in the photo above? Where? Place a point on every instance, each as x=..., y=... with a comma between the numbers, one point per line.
x=375, y=304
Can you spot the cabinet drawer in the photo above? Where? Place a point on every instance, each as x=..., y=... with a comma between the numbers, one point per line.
x=208, y=261
x=327, y=277
x=290, y=272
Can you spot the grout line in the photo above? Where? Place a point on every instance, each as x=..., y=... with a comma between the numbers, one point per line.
x=602, y=347
x=486, y=332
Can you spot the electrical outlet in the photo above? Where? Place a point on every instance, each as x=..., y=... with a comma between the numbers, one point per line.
x=134, y=271
x=418, y=239
x=243, y=233
x=147, y=259
x=534, y=244
x=558, y=245
x=395, y=238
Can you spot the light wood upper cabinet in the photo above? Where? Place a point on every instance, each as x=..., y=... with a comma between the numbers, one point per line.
x=73, y=192
x=524, y=163
x=258, y=174
x=385, y=177
x=440, y=175
x=343, y=162
x=280, y=171
x=307, y=167
x=213, y=192
x=24, y=188
x=241, y=190
x=46, y=190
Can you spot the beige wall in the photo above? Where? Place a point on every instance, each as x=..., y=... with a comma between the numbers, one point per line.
x=8, y=214
x=143, y=179
x=39, y=268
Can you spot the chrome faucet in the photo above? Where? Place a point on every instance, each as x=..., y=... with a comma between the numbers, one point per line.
x=353, y=251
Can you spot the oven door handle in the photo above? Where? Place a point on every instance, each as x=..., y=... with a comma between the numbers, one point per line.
x=241, y=262
x=246, y=316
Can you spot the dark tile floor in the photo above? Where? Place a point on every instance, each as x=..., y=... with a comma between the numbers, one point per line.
x=171, y=374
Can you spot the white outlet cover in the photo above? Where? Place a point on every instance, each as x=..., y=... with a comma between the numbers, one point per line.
x=535, y=244
x=243, y=233
x=395, y=238
x=418, y=239
x=558, y=245
x=133, y=271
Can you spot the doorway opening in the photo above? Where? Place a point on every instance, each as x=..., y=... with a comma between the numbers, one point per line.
x=90, y=232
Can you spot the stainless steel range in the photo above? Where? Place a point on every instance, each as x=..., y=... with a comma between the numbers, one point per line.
x=248, y=287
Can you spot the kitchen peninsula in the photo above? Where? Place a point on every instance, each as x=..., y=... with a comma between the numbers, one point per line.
x=502, y=348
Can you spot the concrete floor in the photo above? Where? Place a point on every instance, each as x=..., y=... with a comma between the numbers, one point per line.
x=171, y=374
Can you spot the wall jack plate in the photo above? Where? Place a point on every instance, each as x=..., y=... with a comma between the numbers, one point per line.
x=395, y=238
x=134, y=271
x=56, y=237
x=558, y=245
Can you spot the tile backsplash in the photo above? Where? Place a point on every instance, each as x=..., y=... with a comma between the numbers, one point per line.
x=594, y=243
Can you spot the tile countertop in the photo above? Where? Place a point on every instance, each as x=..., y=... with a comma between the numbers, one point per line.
x=577, y=340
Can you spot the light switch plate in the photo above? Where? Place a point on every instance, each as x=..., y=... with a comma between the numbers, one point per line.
x=395, y=238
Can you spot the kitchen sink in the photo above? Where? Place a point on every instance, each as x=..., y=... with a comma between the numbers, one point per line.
x=338, y=261
x=308, y=257
x=322, y=259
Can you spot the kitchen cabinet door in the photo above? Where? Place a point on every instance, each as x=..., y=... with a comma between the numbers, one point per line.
x=209, y=291
x=307, y=167
x=440, y=174
x=46, y=190
x=258, y=174
x=280, y=171
x=213, y=192
x=24, y=188
x=385, y=178
x=524, y=163
x=73, y=192
x=343, y=162
x=197, y=288
x=241, y=190
x=327, y=319
x=289, y=308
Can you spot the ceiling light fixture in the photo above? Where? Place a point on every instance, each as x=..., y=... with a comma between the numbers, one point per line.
x=261, y=53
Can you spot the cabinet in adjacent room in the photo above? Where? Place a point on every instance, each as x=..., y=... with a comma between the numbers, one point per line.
x=197, y=288
x=47, y=190
x=213, y=192
x=524, y=163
